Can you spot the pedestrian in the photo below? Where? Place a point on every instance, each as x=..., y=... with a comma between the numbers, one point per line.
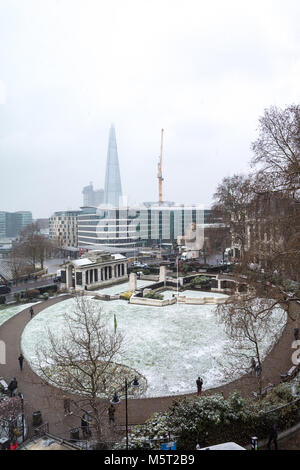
x=85, y=425
x=296, y=333
x=12, y=387
x=111, y=414
x=253, y=365
x=21, y=359
x=258, y=370
x=273, y=436
x=31, y=312
x=67, y=406
x=199, y=383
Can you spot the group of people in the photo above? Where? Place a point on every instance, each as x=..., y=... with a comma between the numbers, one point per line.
x=86, y=418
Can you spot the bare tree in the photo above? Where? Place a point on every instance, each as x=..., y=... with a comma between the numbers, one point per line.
x=33, y=246
x=277, y=151
x=233, y=198
x=250, y=322
x=18, y=264
x=217, y=239
x=83, y=362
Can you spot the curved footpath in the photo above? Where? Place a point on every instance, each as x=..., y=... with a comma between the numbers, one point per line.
x=41, y=397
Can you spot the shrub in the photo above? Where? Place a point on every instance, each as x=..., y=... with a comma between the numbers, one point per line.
x=32, y=293
x=48, y=289
x=153, y=269
x=212, y=419
x=126, y=295
x=2, y=300
x=154, y=295
x=155, y=430
x=200, y=281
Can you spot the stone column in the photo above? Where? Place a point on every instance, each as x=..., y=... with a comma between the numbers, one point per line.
x=162, y=274
x=132, y=282
x=69, y=277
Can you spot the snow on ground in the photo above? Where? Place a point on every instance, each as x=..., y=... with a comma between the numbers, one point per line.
x=9, y=312
x=123, y=287
x=171, y=346
x=192, y=293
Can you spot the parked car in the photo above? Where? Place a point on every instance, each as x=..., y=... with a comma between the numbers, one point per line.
x=5, y=289
x=137, y=264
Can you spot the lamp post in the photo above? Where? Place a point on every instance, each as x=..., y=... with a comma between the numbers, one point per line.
x=116, y=401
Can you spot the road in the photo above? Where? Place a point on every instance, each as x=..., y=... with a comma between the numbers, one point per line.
x=32, y=284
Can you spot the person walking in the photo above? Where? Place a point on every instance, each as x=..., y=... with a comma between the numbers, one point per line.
x=31, y=312
x=111, y=414
x=67, y=406
x=296, y=334
x=199, y=383
x=253, y=365
x=273, y=436
x=85, y=425
x=258, y=370
x=21, y=360
x=12, y=387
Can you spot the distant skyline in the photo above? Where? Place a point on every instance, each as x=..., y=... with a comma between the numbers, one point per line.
x=204, y=72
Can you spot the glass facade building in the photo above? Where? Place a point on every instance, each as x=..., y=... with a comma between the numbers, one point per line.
x=11, y=223
x=112, y=188
x=141, y=225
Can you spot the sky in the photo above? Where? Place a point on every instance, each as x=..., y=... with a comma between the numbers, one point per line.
x=202, y=71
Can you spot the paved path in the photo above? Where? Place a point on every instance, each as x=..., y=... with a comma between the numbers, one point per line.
x=42, y=397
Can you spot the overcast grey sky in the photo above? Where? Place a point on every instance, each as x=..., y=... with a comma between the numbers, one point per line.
x=204, y=71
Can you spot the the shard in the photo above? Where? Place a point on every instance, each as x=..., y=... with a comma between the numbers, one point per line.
x=113, y=187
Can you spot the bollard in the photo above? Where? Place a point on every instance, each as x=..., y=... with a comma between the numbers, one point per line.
x=74, y=434
x=37, y=418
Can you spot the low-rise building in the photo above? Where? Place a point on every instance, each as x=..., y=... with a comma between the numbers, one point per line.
x=98, y=269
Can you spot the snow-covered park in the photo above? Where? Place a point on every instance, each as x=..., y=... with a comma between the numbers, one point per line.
x=171, y=346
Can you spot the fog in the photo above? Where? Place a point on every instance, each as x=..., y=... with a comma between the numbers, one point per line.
x=203, y=72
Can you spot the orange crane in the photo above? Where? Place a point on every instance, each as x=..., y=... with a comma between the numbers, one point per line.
x=159, y=173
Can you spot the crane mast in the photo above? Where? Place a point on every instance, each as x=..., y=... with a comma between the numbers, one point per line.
x=159, y=173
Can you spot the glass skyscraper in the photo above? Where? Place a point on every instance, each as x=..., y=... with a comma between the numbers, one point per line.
x=112, y=188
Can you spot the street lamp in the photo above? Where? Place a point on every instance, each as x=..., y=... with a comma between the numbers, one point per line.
x=116, y=401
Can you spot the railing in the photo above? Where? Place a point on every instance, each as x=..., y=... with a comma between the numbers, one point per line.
x=41, y=430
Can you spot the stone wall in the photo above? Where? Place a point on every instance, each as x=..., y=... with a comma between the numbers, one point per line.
x=151, y=302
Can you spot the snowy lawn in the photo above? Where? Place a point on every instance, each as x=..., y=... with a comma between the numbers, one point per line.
x=123, y=287
x=9, y=312
x=171, y=346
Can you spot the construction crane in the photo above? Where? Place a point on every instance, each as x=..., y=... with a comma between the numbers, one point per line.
x=159, y=172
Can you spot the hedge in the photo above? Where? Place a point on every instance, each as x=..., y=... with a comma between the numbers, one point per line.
x=212, y=419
